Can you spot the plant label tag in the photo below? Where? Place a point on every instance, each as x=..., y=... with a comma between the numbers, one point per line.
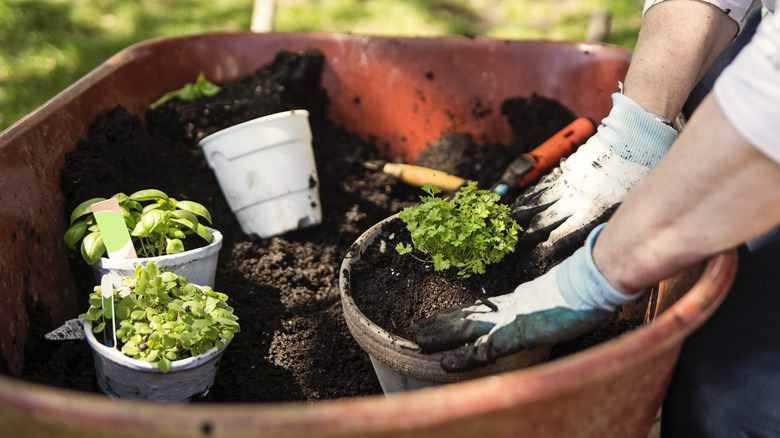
x=112, y=227
x=107, y=294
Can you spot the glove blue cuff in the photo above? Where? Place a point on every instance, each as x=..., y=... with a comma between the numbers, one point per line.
x=649, y=137
x=581, y=284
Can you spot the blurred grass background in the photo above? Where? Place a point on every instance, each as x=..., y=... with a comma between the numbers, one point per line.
x=46, y=45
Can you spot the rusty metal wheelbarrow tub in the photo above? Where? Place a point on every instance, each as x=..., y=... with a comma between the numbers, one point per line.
x=613, y=389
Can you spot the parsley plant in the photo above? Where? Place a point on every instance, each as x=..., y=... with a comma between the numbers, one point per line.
x=469, y=231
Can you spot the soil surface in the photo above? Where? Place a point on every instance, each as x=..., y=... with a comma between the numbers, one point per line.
x=294, y=343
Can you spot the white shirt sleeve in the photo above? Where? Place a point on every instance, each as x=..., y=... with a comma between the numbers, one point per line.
x=748, y=90
x=736, y=9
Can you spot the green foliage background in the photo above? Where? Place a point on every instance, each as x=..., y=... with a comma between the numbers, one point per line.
x=46, y=45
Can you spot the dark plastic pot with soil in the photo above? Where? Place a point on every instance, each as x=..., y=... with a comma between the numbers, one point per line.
x=402, y=94
x=398, y=362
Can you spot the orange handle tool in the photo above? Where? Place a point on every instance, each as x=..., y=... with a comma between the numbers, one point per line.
x=530, y=166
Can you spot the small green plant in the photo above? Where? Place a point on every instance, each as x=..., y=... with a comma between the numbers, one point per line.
x=468, y=232
x=161, y=318
x=157, y=224
x=201, y=88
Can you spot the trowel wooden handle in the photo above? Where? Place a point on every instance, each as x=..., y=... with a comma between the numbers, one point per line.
x=419, y=176
x=560, y=145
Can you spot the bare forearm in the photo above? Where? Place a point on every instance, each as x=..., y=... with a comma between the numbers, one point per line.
x=672, y=31
x=712, y=192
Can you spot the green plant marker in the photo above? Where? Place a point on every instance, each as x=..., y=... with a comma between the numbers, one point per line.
x=112, y=227
x=107, y=295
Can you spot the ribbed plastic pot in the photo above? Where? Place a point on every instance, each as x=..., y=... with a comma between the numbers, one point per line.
x=399, y=363
x=122, y=377
x=266, y=170
x=198, y=266
x=403, y=93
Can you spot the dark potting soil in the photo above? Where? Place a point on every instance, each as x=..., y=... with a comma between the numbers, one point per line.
x=381, y=278
x=294, y=343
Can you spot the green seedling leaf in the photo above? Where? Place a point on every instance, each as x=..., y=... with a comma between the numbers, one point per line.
x=185, y=218
x=75, y=233
x=176, y=233
x=130, y=349
x=201, y=88
x=121, y=198
x=200, y=324
x=203, y=232
x=153, y=221
x=169, y=277
x=92, y=247
x=187, y=92
x=226, y=322
x=169, y=341
x=195, y=208
x=85, y=208
x=403, y=249
x=174, y=246
x=92, y=315
x=121, y=311
x=149, y=195
x=205, y=87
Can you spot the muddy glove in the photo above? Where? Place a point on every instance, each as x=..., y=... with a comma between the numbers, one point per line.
x=568, y=301
x=560, y=210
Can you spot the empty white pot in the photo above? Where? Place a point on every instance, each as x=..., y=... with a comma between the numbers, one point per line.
x=266, y=170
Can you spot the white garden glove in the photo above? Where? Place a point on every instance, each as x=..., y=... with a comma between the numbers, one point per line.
x=568, y=301
x=559, y=211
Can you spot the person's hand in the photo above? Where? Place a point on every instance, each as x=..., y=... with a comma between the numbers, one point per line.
x=559, y=211
x=568, y=301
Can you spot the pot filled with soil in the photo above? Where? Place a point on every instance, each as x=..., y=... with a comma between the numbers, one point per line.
x=197, y=264
x=451, y=241
x=163, y=337
x=295, y=369
x=119, y=234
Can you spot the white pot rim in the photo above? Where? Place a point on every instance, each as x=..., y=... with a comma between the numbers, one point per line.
x=215, y=245
x=116, y=356
x=264, y=119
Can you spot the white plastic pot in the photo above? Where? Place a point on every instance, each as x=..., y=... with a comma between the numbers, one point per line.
x=122, y=377
x=266, y=170
x=198, y=266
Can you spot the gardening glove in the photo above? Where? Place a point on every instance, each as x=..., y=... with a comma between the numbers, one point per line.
x=568, y=301
x=560, y=210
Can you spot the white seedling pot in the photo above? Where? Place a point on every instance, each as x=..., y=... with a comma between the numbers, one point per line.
x=122, y=377
x=198, y=266
x=266, y=170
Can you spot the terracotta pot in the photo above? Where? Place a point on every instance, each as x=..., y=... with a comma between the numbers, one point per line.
x=399, y=364
x=612, y=390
